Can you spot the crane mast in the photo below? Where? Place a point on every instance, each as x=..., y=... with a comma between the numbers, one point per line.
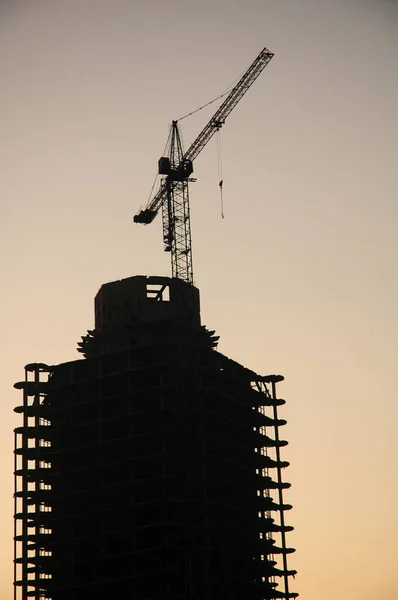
x=176, y=169
x=175, y=207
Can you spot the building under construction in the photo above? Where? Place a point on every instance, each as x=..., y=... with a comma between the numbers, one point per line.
x=150, y=468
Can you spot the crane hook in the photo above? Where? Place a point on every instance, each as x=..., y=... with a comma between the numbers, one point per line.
x=219, y=160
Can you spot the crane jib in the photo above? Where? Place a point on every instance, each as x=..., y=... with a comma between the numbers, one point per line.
x=210, y=129
x=236, y=94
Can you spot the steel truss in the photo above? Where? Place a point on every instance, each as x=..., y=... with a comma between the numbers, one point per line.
x=175, y=211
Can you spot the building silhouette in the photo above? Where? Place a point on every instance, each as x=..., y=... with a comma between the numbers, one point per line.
x=150, y=468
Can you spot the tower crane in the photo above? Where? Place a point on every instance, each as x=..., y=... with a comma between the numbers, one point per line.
x=176, y=170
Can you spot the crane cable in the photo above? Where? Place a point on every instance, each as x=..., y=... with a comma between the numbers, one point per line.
x=157, y=174
x=205, y=105
x=224, y=93
x=220, y=178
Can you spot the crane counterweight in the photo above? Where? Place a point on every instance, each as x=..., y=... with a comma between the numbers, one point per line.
x=145, y=216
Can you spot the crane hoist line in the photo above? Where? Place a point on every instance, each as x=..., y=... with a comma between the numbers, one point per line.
x=176, y=170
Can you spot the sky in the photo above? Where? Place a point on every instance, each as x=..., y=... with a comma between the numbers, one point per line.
x=300, y=278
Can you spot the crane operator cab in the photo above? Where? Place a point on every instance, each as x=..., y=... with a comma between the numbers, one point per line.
x=182, y=172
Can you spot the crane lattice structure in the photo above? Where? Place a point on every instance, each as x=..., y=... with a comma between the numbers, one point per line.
x=176, y=169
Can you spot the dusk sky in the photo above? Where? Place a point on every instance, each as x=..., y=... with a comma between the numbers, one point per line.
x=300, y=278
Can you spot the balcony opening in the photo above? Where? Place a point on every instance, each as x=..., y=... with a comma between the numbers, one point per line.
x=158, y=292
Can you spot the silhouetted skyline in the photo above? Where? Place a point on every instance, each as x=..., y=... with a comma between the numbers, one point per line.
x=300, y=276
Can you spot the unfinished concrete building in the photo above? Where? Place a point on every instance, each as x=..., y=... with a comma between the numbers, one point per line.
x=150, y=468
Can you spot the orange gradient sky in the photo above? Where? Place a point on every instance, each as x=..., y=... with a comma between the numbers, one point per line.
x=300, y=278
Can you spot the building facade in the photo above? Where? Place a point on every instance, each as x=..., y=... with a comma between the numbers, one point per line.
x=151, y=468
